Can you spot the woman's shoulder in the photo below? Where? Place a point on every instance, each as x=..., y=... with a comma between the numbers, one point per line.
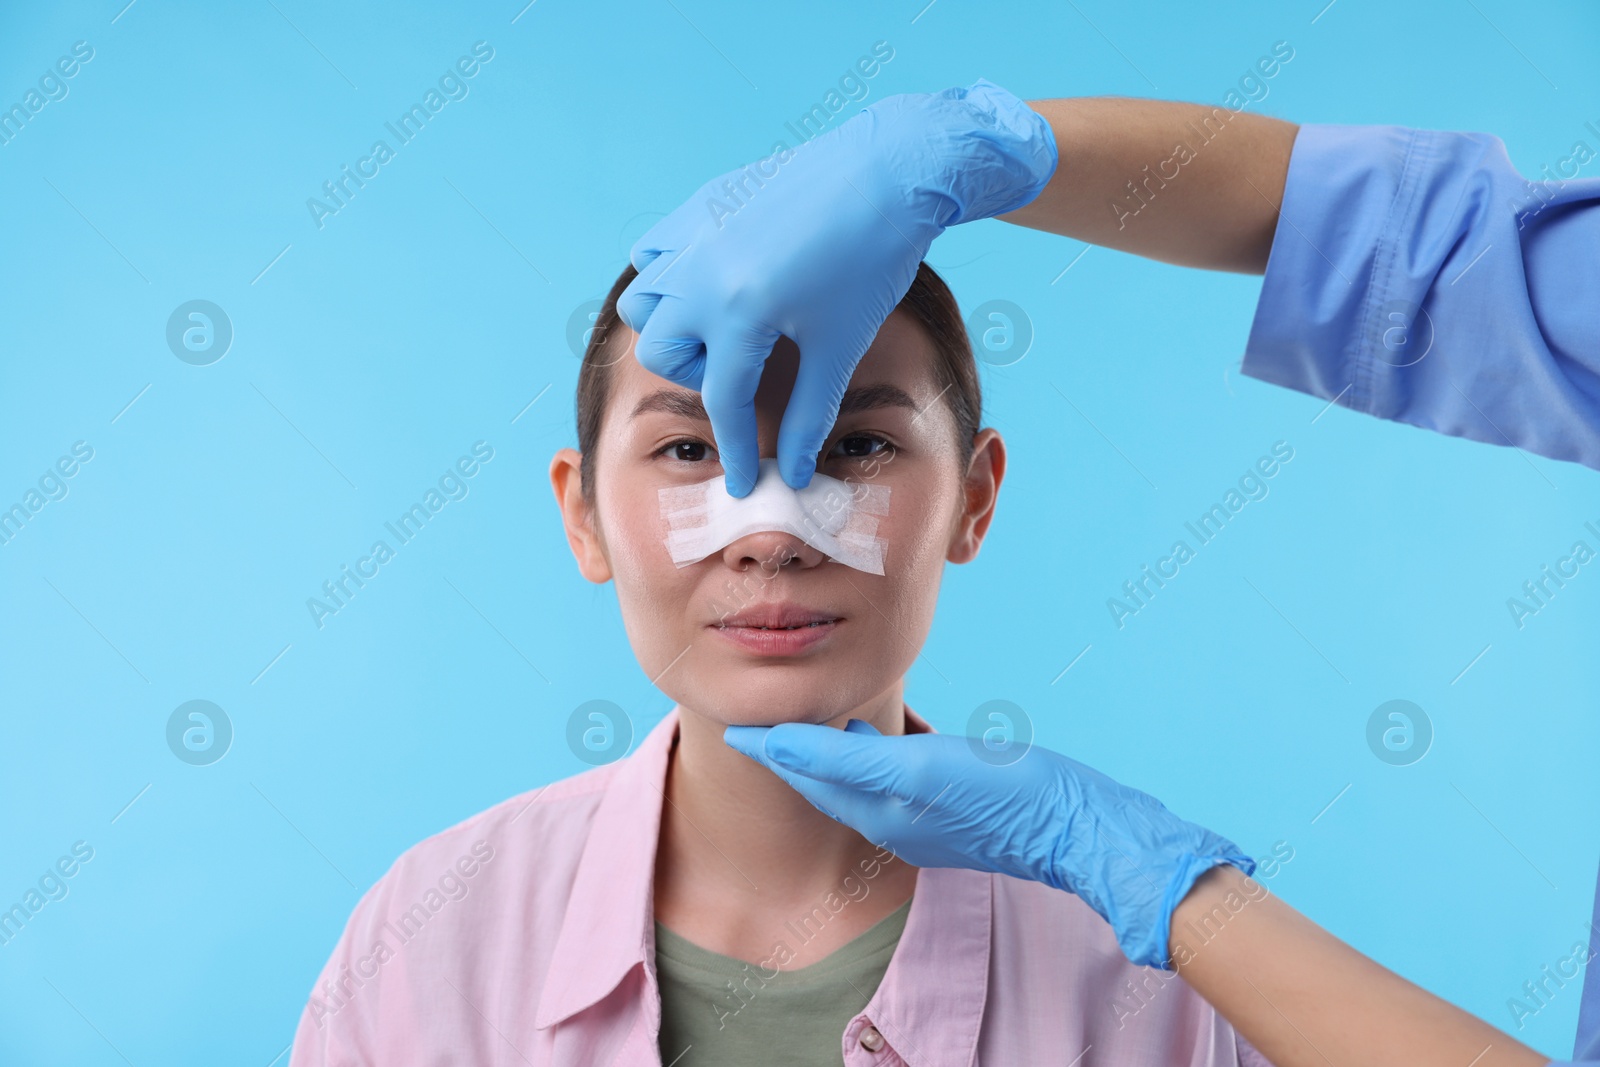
x=538, y=833
x=518, y=857
x=492, y=888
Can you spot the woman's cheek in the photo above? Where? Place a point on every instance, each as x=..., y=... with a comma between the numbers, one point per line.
x=643, y=575
x=635, y=535
x=654, y=597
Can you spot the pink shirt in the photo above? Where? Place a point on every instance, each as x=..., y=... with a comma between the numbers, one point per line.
x=525, y=935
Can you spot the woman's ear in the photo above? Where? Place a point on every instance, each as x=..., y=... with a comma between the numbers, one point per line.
x=980, y=490
x=578, y=517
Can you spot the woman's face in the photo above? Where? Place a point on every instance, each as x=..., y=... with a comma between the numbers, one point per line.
x=894, y=431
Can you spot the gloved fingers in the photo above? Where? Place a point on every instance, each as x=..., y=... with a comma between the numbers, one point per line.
x=642, y=257
x=751, y=739
x=734, y=360
x=638, y=301
x=873, y=764
x=825, y=797
x=825, y=369
x=673, y=231
x=636, y=304
x=670, y=346
x=858, y=758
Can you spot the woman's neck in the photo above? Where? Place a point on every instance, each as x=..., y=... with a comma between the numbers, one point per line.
x=742, y=855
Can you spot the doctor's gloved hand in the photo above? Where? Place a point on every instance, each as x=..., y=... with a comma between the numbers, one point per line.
x=818, y=243
x=1046, y=818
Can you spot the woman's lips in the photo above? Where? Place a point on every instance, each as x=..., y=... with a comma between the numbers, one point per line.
x=777, y=642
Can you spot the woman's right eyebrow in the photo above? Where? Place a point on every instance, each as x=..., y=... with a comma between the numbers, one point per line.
x=682, y=402
x=686, y=403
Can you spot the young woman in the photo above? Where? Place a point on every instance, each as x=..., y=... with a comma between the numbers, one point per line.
x=683, y=904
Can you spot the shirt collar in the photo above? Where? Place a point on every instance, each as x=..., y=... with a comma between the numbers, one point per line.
x=929, y=1005
x=609, y=927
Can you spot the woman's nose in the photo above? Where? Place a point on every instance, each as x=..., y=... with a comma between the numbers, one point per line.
x=769, y=551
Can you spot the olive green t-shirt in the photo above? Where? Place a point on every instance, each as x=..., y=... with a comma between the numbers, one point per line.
x=717, y=1010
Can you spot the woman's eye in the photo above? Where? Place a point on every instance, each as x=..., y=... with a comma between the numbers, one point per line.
x=688, y=450
x=860, y=446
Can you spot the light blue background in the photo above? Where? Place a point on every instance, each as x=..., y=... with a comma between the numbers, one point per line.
x=428, y=313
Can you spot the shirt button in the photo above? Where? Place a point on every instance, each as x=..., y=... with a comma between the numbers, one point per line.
x=871, y=1040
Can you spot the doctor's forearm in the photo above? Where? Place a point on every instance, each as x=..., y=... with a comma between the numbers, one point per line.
x=1303, y=997
x=1190, y=184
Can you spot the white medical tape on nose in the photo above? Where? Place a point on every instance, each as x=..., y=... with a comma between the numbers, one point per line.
x=837, y=518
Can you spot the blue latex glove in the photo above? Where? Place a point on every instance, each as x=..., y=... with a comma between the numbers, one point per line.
x=818, y=244
x=1045, y=818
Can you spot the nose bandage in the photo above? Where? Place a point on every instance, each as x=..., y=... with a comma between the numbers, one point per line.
x=837, y=518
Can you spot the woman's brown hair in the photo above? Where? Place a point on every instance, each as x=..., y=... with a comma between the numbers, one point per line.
x=929, y=301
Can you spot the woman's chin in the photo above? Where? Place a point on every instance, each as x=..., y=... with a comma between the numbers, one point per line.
x=746, y=709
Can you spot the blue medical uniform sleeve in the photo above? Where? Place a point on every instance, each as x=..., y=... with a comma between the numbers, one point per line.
x=1587, y=1045
x=1416, y=276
